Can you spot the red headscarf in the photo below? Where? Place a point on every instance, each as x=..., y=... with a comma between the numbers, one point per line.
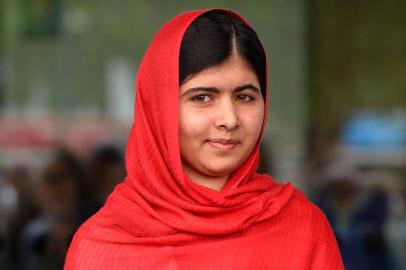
x=159, y=219
x=158, y=202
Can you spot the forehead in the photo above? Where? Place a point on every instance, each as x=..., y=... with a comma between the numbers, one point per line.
x=234, y=71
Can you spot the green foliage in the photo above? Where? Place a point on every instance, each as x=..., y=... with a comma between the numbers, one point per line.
x=358, y=55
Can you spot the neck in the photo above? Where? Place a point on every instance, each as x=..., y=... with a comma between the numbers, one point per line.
x=213, y=182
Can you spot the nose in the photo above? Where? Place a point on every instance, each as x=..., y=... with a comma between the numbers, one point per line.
x=227, y=116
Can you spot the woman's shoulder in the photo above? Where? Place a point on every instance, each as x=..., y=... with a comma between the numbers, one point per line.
x=296, y=218
x=85, y=247
x=95, y=246
x=305, y=219
x=309, y=223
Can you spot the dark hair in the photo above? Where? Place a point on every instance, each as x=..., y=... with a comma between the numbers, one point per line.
x=212, y=38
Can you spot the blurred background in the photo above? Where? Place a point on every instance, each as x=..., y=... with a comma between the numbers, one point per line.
x=337, y=125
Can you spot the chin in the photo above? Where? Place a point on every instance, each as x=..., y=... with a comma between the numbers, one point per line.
x=217, y=171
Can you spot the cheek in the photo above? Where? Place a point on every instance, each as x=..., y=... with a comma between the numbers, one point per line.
x=192, y=126
x=258, y=124
x=253, y=122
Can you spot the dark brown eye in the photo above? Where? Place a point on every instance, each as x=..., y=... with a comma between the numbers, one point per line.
x=245, y=97
x=201, y=98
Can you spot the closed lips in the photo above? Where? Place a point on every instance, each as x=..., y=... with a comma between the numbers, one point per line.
x=223, y=144
x=224, y=141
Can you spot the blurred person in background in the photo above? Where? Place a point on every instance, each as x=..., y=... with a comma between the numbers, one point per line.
x=19, y=196
x=396, y=227
x=105, y=168
x=45, y=238
x=358, y=210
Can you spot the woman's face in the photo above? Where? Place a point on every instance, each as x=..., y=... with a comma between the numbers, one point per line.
x=221, y=117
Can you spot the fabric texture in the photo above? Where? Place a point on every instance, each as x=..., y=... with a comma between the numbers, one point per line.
x=159, y=219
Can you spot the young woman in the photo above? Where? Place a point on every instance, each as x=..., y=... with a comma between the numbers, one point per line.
x=192, y=198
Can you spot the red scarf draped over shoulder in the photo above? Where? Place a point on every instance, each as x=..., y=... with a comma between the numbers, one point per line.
x=158, y=208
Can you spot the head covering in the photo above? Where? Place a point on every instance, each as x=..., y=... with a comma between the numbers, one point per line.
x=157, y=203
x=159, y=219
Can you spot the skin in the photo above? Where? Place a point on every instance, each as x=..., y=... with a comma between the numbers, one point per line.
x=221, y=118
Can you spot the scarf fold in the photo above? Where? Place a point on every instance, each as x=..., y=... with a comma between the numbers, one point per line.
x=157, y=203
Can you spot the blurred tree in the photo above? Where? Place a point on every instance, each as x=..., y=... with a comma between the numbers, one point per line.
x=2, y=55
x=41, y=18
x=357, y=59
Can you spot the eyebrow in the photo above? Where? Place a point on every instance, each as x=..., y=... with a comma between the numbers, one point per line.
x=216, y=90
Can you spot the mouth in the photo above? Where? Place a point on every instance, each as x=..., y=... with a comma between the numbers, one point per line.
x=223, y=144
